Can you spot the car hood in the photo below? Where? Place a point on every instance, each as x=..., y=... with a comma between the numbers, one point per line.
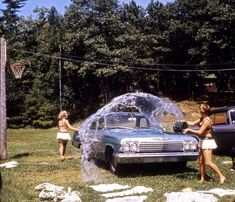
x=145, y=134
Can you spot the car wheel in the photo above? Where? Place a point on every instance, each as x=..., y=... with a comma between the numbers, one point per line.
x=113, y=166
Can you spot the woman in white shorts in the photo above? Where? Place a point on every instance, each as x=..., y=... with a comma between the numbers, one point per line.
x=63, y=135
x=207, y=143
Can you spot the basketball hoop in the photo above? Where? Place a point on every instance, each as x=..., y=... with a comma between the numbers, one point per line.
x=17, y=69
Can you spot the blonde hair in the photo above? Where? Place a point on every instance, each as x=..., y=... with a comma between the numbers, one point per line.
x=62, y=114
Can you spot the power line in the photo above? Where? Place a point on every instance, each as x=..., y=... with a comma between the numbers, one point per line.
x=146, y=67
x=184, y=70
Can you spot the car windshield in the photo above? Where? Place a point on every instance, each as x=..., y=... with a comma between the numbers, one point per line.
x=126, y=120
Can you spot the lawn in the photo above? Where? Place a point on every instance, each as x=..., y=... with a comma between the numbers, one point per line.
x=36, y=151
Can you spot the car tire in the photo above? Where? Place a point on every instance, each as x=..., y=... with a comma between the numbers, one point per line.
x=113, y=166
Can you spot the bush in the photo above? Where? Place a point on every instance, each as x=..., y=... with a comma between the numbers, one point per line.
x=43, y=124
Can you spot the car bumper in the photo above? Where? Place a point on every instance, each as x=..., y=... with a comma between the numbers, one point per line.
x=131, y=158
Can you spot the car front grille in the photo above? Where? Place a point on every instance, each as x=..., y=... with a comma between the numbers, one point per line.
x=161, y=146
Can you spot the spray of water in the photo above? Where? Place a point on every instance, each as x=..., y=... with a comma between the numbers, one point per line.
x=151, y=106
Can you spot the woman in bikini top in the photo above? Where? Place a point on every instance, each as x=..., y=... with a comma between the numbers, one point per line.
x=208, y=132
x=205, y=132
x=63, y=125
x=63, y=135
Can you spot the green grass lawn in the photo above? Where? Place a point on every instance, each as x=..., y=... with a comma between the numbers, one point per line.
x=36, y=151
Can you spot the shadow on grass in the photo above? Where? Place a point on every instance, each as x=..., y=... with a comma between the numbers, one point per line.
x=150, y=169
x=18, y=156
x=222, y=154
x=154, y=169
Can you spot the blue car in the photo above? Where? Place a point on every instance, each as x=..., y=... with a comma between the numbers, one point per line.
x=129, y=138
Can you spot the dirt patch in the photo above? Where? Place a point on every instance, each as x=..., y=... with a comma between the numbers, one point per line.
x=190, y=109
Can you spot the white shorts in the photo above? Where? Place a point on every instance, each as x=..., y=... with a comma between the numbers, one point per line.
x=63, y=136
x=208, y=144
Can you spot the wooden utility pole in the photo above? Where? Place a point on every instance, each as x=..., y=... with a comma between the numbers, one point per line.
x=3, y=122
x=60, y=74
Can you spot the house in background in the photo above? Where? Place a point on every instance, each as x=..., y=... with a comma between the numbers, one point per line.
x=210, y=83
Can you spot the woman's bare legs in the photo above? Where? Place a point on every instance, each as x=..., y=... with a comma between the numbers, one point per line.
x=207, y=155
x=62, y=148
x=202, y=168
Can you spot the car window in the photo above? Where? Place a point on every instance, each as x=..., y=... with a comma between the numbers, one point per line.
x=120, y=120
x=219, y=118
x=233, y=117
x=167, y=122
x=131, y=122
x=101, y=124
x=143, y=123
x=126, y=120
x=93, y=125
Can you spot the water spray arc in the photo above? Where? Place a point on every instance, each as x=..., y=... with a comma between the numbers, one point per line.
x=153, y=107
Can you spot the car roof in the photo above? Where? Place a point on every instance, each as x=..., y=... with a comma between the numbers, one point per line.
x=124, y=112
x=136, y=114
x=222, y=109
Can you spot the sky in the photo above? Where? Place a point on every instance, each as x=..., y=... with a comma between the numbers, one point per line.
x=27, y=10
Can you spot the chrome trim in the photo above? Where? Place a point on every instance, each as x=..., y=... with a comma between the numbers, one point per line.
x=161, y=146
x=129, y=158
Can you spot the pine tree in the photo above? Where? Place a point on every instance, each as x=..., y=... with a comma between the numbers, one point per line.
x=10, y=18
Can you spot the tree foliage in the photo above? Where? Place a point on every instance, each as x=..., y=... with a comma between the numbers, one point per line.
x=106, y=49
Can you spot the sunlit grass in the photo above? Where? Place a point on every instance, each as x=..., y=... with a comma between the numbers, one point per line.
x=36, y=151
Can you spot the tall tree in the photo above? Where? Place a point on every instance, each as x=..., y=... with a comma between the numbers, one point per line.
x=107, y=45
x=37, y=100
x=92, y=28
x=10, y=17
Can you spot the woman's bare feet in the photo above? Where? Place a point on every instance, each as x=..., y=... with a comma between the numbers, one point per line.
x=201, y=181
x=62, y=158
x=222, y=179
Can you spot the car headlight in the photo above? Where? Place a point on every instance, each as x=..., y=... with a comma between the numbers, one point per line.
x=133, y=147
x=193, y=145
x=189, y=146
x=126, y=147
x=185, y=146
x=130, y=147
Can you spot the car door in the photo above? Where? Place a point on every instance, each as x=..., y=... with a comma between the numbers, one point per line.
x=99, y=144
x=224, y=131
